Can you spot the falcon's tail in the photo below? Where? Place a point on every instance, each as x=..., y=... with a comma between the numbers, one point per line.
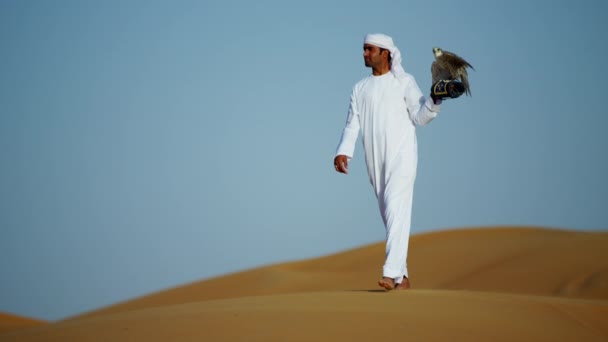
x=465, y=82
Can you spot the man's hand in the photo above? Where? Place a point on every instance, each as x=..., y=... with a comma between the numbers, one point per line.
x=443, y=89
x=341, y=163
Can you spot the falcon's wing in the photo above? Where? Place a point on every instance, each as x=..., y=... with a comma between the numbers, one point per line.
x=456, y=61
x=458, y=68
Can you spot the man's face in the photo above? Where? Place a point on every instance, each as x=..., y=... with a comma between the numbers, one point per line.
x=371, y=55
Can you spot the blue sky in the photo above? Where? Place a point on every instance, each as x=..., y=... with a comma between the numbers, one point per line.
x=148, y=144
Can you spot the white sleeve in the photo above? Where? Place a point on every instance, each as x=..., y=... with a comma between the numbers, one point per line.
x=421, y=110
x=351, y=131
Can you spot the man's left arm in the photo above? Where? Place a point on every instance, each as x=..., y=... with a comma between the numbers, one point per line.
x=421, y=110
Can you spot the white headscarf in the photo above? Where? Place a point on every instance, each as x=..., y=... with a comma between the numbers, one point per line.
x=386, y=42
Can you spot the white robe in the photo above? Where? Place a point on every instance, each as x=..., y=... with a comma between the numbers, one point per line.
x=386, y=109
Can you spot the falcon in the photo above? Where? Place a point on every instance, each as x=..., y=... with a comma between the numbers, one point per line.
x=449, y=66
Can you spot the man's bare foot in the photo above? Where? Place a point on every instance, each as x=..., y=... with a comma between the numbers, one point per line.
x=387, y=283
x=404, y=285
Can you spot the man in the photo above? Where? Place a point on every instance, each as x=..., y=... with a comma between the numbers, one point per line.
x=385, y=107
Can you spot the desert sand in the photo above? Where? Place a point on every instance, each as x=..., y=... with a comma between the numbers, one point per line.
x=10, y=322
x=482, y=284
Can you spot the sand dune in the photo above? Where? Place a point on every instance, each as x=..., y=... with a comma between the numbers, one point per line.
x=420, y=315
x=10, y=322
x=470, y=284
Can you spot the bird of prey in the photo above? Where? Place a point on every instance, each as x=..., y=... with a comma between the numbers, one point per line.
x=449, y=66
